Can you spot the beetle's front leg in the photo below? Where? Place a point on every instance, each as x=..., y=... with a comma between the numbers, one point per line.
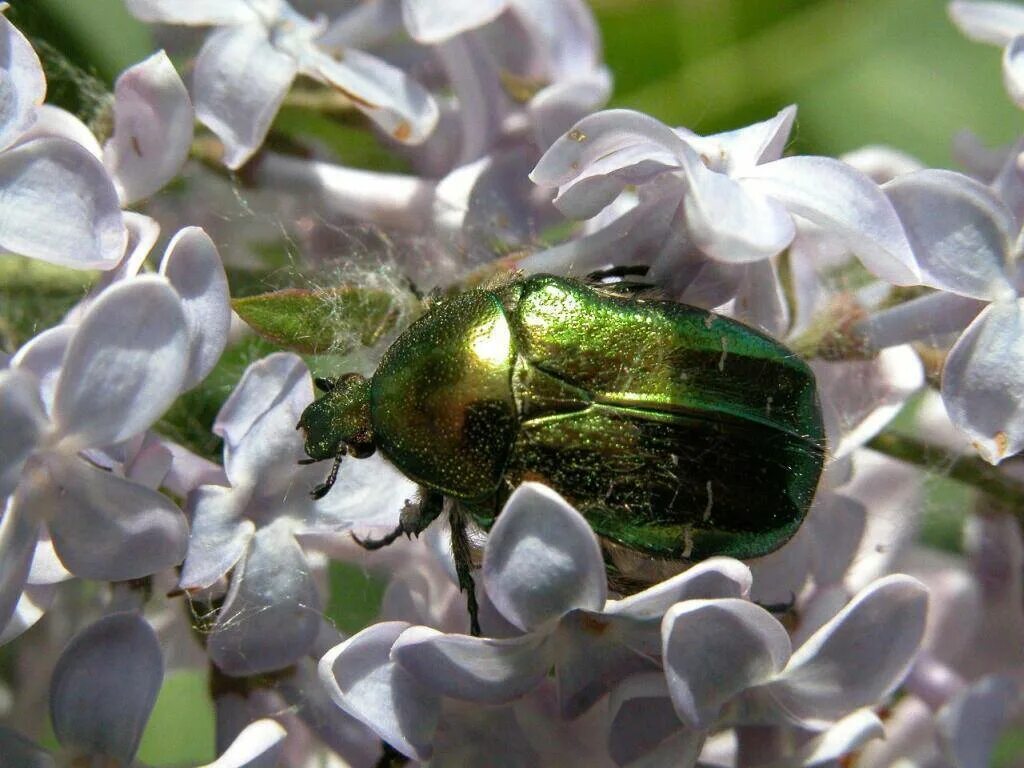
x=412, y=522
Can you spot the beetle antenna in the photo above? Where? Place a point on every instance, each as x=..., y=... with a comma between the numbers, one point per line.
x=321, y=490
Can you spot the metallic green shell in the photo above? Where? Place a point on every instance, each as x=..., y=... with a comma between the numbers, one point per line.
x=676, y=432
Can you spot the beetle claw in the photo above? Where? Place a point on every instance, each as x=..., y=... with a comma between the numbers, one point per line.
x=383, y=541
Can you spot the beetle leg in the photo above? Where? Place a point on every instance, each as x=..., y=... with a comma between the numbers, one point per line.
x=622, y=270
x=463, y=568
x=321, y=490
x=414, y=520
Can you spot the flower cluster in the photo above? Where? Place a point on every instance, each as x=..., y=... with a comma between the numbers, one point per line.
x=160, y=512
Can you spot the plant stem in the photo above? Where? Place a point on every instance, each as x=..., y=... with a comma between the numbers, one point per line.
x=971, y=470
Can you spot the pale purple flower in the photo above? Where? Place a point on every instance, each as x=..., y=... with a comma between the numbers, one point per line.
x=153, y=124
x=271, y=617
x=999, y=24
x=123, y=367
x=544, y=574
x=248, y=63
x=60, y=205
x=102, y=693
x=730, y=196
x=966, y=241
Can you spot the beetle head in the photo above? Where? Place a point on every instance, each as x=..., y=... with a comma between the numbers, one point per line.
x=338, y=422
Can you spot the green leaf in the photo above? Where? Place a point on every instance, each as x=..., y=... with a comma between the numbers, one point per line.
x=181, y=729
x=324, y=320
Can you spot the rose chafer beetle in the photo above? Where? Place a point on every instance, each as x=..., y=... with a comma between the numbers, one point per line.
x=676, y=432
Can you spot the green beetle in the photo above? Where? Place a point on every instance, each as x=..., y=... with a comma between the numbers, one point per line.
x=676, y=432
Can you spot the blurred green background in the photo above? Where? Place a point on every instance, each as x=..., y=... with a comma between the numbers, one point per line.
x=862, y=72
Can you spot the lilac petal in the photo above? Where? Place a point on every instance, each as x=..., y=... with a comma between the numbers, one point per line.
x=189, y=471
x=645, y=730
x=987, y=22
x=107, y=528
x=845, y=737
x=105, y=685
x=260, y=745
x=604, y=179
x=394, y=101
x=927, y=318
x=219, y=536
x=364, y=682
x=47, y=569
x=54, y=122
x=33, y=604
x=431, y=22
x=715, y=649
x=827, y=677
x=22, y=422
x=599, y=134
x=302, y=690
x=593, y=651
x=152, y=128
x=542, y=559
x=42, y=356
x=746, y=147
x=239, y=82
x=124, y=366
x=59, y=206
x=972, y=722
x=881, y=163
x=1013, y=69
x=22, y=84
x=369, y=491
x=23, y=753
x=717, y=577
x=272, y=613
x=19, y=531
x=266, y=384
x=197, y=12
x=863, y=396
x=981, y=381
x=733, y=222
x=556, y=108
x=387, y=199
x=844, y=201
x=960, y=231
x=193, y=267
x=760, y=300
x=474, y=668
x=267, y=455
x=837, y=526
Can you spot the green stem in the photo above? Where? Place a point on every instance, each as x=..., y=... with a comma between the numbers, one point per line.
x=970, y=470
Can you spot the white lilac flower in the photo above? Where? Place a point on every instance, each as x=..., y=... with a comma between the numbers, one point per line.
x=59, y=202
x=998, y=24
x=153, y=124
x=967, y=244
x=102, y=693
x=544, y=573
x=123, y=367
x=731, y=196
x=730, y=661
x=517, y=83
x=248, y=63
x=271, y=617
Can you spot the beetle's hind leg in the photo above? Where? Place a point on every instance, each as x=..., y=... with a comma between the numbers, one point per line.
x=412, y=522
x=464, y=567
